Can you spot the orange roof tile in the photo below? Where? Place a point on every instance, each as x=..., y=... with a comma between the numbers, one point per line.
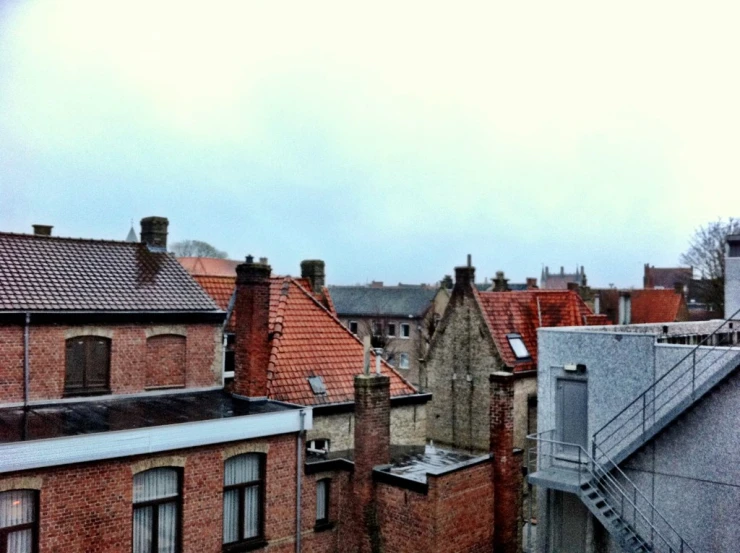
x=523, y=312
x=209, y=266
x=308, y=341
x=656, y=306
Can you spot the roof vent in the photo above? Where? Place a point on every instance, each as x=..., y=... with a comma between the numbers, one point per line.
x=317, y=385
x=42, y=230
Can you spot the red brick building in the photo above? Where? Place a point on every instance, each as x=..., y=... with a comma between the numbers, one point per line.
x=116, y=434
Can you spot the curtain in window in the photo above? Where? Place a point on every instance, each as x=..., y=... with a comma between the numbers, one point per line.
x=143, y=520
x=251, y=512
x=155, y=484
x=322, y=488
x=17, y=508
x=231, y=516
x=242, y=469
x=167, y=528
x=21, y=541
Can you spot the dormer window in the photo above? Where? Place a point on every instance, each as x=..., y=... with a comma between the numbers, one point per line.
x=317, y=385
x=518, y=347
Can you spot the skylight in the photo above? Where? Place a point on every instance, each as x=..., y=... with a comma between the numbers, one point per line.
x=317, y=385
x=517, y=345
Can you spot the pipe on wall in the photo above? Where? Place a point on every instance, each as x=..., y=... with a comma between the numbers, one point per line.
x=299, y=481
x=26, y=367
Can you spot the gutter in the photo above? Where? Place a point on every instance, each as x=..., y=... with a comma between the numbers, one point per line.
x=349, y=406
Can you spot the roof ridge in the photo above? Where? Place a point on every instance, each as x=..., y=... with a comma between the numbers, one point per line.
x=277, y=334
x=354, y=336
x=73, y=239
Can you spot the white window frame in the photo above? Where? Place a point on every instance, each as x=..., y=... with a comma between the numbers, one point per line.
x=517, y=338
x=401, y=358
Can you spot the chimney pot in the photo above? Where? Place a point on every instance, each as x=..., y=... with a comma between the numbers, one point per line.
x=531, y=283
x=464, y=276
x=263, y=260
x=678, y=287
x=573, y=286
x=42, y=230
x=154, y=232
x=313, y=270
x=500, y=284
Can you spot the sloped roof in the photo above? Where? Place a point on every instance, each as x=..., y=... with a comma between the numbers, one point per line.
x=391, y=301
x=310, y=341
x=209, y=266
x=525, y=311
x=657, y=306
x=666, y=277
x=49, y=273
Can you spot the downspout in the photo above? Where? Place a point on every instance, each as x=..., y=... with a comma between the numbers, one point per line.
x=299, y=482
x=229, y=311
x=26, y=369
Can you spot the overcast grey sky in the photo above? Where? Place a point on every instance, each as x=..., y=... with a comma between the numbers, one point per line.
x=389, y=140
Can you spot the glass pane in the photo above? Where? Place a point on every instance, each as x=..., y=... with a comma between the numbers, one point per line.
x=231, y=516
x=321, y=489
x=242, y=469
x=155, y=484
x=16, y=507
x=168, y=528
x=143, y=530
x=21, y=541
x=251, y=512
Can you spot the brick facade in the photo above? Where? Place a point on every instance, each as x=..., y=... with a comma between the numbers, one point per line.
x=131, y=364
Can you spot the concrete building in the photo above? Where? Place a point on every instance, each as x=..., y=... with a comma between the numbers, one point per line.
x=638, y=439
x=400, y=319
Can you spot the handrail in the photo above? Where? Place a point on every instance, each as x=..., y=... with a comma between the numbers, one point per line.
x=671, y=371
x=604, y=478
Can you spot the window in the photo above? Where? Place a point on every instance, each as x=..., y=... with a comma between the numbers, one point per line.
x=318, y=446
x=323, y=488
x=518, y=347
x=405, y=330
x=157, y=505
x=19, y=527
x=392, y=330
x=317, y=385
x=403, y=361
x=353, y=327
x=229, y=354
x=88, y=363
x=244, y=494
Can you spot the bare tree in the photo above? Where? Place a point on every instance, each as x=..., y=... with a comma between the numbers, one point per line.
x=196, y=248
x=706, y=254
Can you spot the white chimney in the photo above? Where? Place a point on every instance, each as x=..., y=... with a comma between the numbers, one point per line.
x=732, y=276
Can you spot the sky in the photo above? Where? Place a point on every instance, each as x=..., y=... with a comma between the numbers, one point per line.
x=388, y=139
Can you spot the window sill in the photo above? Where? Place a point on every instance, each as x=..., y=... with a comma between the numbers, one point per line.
x=323, y=526
x=168, y=387
x=82, y=393
x=239, y=547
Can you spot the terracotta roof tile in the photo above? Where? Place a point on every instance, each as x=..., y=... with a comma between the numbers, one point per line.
x=47, y=273
x=525, y=311
x=209, y=266
x=656, y=306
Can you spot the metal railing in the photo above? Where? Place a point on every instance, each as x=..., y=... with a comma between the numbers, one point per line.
x=676, y=386
x=634, y=509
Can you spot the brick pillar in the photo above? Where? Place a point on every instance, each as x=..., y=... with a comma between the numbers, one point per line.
x=252, y=311
x=313, y=270
x=372, y=448
x=507, y=467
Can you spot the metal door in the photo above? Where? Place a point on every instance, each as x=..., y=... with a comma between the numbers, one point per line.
x=572, y=415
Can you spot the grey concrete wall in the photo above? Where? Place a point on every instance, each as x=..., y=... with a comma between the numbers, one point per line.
x=460, y=360
x=408, y=427
x=732, y=285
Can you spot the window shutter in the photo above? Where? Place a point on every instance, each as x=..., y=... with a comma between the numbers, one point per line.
x=98, y=358
x=75, y=364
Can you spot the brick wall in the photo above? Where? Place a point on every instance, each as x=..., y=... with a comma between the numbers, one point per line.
x=165, y=361
x=455, y=516
x=130, y=368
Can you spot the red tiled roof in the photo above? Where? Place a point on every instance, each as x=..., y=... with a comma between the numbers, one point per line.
x=209, y=266
x=48, y=273
x=523, y=312
x=310, y=341
x=657, y=306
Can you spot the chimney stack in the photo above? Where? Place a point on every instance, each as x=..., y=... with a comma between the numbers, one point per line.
x=500, y=284
x=531, y=283
x=465, y=276
x=313, y=270
x=573, y=286
x=42, y=230
x=154, y=232
x=372, y=448
x=678, y=287
x=252, y=309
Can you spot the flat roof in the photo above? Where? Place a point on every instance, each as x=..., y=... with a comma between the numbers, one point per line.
x=418, y=464
x=106, y=415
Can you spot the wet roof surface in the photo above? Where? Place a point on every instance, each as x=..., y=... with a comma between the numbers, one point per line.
x=415, y=465
x=88, y=417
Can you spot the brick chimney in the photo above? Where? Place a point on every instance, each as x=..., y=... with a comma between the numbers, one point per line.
x=154, y=232
x=42, y=230
x=465, y=276
x=531, y=283
x=372, y=448
x=313, y=270
x=678, y=287
x=507, y=466
x=500, y=284
x=252, y=309
x=573, y=286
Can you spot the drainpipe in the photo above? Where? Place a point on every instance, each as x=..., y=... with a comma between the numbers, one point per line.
x=26, y=370
x=299, y=482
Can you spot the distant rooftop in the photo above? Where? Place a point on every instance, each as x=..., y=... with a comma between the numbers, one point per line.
x=394, y=301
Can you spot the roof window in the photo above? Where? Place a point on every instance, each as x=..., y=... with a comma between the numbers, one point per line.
x=317, y=385
x=518, y=347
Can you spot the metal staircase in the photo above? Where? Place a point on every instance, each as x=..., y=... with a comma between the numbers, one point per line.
x=595, y=476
